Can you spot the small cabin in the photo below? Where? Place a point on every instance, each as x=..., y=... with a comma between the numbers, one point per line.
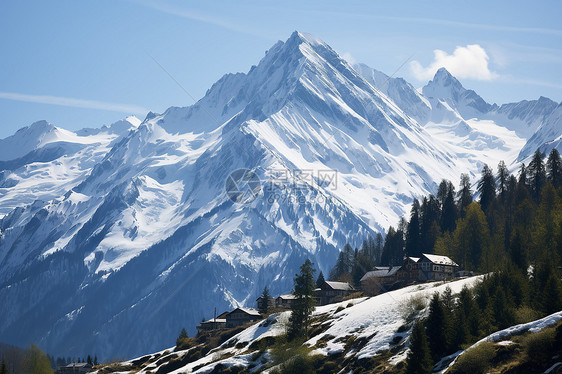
x=75, y=368
x=241, y=316
x=213, y=324
x=260, y=301
x=285, y=301
x=331, y=292
x=435, y=267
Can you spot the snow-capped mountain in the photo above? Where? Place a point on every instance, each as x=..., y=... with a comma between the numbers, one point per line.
x=42, y=162
x=115, y=243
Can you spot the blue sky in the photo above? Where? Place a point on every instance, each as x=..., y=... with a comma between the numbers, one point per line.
x=88, y=63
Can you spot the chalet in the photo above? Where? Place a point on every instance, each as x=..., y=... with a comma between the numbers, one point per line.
x=240, y=316
x=413, y=269
x=260, y=301
x=75, y=368
x=331, y=292
x=382, y=279
x=285, y=301
x=435, y=267
x=213, y=324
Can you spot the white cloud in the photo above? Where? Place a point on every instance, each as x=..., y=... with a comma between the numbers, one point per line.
x=466, y=62
x=76, y=103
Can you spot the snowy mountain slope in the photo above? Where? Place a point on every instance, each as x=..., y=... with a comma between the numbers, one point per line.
x=372, y=323
x=401, y=92
x=43, y=162
x=526, y=116
x=136, y=236
x=467, y=124
x=547, y=136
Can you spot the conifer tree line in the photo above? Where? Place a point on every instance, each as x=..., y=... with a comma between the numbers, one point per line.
x=514, y=219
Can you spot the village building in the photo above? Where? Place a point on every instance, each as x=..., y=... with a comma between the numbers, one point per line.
x=240, y=316
x=260, y=301
x=382, y=279
x=331, y=292
x=213, y=324
x=435, y=267
x=413, y=269
x=75, y=368
x=285, y=301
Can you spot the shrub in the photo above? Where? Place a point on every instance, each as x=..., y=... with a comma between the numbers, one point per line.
x=411, y=307
x=538, y=346
x=475, y=360
x=526, y=314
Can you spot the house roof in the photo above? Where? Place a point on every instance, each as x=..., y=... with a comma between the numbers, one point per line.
x=249, y=311
x=414, y=259
x=387, y=272
x=344, y=286
x=440, y=260
x=382, y=268
x=288, y=296
x=218, y=320
x=78, y=365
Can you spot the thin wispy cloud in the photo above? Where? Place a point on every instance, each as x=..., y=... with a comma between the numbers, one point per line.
x=198, y=16
x=465, y=62
x=438, y=21
x=75, y=103
x=481, y=26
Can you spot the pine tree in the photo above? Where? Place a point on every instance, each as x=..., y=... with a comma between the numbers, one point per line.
x=419, y=358
x=265, y=304
x=394, y=246
x=464, y=194
x=320, y=280
x=89, y=360
x=487, y=187
x=537, y=174
x=96, y=360
x=502, y=179
x=449, y=210
x=362, y=264
x=429, y=226
x=413, y=245
x=503, y=313
x=516, y=251
x=344, y=263
x=181, y=337
x=472, y=239
x=303, y=304
x=554, y=168
x=379, y=243
x=437, y=326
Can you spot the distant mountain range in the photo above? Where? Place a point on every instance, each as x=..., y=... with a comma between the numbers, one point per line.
x=113, y=239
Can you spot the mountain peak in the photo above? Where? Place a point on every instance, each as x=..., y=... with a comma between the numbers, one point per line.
x=443, y=86
x=306, y=38
x=443, y=78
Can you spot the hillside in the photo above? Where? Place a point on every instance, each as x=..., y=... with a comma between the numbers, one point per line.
x=358, y=332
